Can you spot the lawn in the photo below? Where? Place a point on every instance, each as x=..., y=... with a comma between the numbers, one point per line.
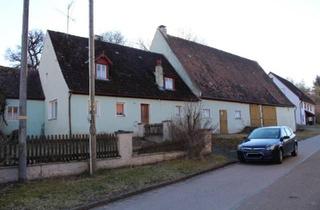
x=62, y=193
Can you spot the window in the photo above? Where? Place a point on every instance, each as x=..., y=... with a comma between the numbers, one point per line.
x=178, y=111
x=168, y=83
x=12, y=113
x=102, y=72
x=205, y=113
x=237, y=115
x=53, y=109
x=120, y=109
x=97, y=110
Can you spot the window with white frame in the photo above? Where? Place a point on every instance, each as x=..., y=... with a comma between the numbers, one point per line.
x=102, y=72
x=237, y=115
x=178, y=111
x=53, y=109
x=205, y=113
x=120, y=109
x=97, y=108
x=169, y=83
x=12, y=113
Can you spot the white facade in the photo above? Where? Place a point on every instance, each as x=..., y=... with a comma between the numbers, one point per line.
x=300, y=106
x=54, y=88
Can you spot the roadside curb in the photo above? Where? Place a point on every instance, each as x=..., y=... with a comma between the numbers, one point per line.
x=149, y=188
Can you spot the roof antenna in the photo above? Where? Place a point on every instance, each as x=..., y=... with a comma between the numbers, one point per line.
x=68, y=14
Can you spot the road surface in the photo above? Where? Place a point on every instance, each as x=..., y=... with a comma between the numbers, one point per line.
x=232, y=187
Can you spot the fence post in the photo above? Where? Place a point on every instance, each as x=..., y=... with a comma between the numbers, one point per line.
x=141, y=130
x=166, y=130
x=125, y=144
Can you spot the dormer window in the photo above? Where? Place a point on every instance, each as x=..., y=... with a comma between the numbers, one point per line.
x=168, y=83
x=102, y=72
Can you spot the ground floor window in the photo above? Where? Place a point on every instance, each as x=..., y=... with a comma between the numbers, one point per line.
x=12, y=113
x=53, y=110
x=120, y=109
x=237, y=115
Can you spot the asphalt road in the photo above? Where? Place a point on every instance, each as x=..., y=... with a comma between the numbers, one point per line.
x=232, y=187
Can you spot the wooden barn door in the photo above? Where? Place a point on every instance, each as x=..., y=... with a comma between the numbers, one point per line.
x=255, y=115
x=223, y=121
x=145, y=113
x=269, y=115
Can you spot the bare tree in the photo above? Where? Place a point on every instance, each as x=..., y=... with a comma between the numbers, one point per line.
x=141, y=44
x=188, y=35
x=35, y=46
x=115, y=37
x=192, y=128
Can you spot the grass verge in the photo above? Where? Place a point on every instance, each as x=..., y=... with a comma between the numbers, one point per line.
x=68, y=192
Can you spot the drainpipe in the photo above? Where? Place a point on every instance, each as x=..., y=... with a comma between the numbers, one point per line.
x=69, y=113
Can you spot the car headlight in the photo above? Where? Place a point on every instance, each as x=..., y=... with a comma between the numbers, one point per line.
x=270, y=147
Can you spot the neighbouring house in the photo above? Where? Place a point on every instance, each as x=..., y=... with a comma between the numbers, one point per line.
x=132, y=86
x=235, y=92
x=9, y=85
x=305, y=111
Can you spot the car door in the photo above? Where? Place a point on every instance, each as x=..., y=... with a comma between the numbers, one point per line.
x=291, y=140
x=285, y=142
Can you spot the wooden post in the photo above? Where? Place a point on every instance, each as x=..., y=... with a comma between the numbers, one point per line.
x=92, y=73
x=23, y=95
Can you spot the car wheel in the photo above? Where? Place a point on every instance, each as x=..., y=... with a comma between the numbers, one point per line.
x=241, y=159
x=295, y=150
x=279, y=157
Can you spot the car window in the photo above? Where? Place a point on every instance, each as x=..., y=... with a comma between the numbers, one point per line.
x=288, y=131
x=284, y=132
x=265, y=133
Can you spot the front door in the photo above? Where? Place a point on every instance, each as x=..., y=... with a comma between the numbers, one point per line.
x=223, y=121
x=145, y=113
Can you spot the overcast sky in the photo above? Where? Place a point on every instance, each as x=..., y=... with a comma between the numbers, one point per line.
x=282, y=35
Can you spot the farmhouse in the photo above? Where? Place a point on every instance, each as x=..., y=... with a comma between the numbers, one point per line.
x=9, y=85
x=132, y=86
x=235, y=91
x=304, y=105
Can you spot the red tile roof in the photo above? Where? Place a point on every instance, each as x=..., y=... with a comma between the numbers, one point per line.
x=224, y=76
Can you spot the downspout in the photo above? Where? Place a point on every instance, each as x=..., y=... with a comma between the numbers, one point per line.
x=69, y=113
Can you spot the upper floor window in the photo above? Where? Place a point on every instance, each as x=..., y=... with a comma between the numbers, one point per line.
x=12, y=113
x=53, y=109
x=102, y=72
x=169, y=83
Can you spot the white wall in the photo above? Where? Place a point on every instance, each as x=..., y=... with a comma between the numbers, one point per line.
x=299, y=112
x=54, y=87
x=285, y=116
x=108, y=121
x=234, y=125
x=35, y=114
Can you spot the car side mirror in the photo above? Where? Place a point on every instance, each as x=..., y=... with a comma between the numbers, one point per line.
x=284, y=137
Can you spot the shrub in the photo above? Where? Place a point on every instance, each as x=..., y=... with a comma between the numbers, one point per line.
x=192, y=129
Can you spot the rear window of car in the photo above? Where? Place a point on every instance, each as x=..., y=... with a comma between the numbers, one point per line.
x=265, y=133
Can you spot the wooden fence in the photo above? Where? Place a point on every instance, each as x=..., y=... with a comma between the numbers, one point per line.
x=153, y=129
x=58, y=148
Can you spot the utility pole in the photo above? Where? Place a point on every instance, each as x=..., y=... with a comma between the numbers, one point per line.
x=23, y=96
x=92, y=77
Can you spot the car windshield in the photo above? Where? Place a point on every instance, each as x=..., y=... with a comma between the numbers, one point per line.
x=265, y=133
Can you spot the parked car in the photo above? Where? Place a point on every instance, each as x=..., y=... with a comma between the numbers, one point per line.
x=268, y=144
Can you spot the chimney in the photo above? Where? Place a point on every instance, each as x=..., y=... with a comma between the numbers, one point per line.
x=163, y=29
x=98, y=37
x=158, y=73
